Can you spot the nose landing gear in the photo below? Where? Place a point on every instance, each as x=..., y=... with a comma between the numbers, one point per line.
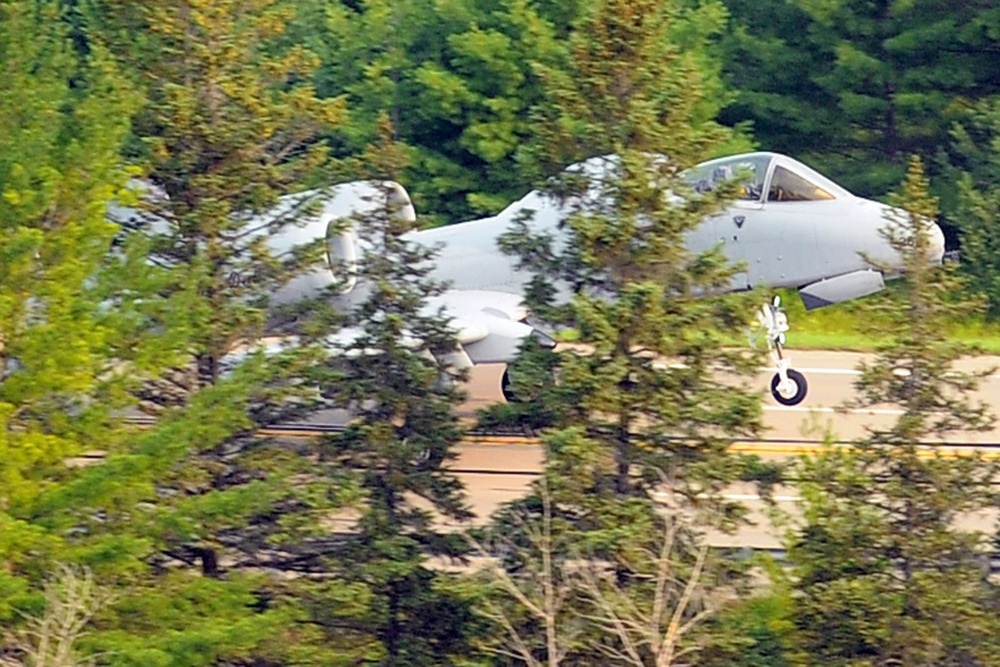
x=788, y=386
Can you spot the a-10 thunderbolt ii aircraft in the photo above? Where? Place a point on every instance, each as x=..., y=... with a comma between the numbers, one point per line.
x=790, y=228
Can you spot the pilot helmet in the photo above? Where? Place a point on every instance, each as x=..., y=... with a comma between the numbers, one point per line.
x=722, y=173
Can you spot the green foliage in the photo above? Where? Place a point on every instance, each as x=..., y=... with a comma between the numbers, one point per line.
x=59, y=165
x=883, y=571
x=189, y=507
x=622, y=276
x=977, y=145
x=650, y=85
x=916, y=345
x=230, y=125
x=754, y=632
x=114, y=517
x=457, y=81
x=854, y=87
x=52, y=635
x=228, y=128
x=399, y=388
x=639, y=417
x=75, y=326
x=186, y=522
x=460, y=84
x=187, y=621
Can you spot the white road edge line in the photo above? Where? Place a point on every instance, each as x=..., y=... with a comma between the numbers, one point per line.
x=741, y=496
x=844, y=371
x=822, y=371
x=826, y=410
x=754, y=496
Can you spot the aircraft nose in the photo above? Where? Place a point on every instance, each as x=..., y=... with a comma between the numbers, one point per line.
x=935, y=245
x=896, y=222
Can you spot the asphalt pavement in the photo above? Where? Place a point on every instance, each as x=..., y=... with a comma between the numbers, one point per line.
x=495, y=473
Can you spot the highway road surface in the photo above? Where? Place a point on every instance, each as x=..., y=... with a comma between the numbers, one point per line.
x=502, y=470
x=831, y=377
x=496, y=469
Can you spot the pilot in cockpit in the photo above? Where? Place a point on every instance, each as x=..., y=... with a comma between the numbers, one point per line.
x=720, y=175
x=750, y=186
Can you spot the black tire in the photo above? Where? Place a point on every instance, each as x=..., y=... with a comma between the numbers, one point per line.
x=507, y=388
x=801, y=388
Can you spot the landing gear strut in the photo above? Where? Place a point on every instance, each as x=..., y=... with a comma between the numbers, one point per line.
x=788, y=386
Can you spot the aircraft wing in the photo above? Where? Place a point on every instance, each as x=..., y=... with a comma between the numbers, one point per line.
x=489, y=328
x=490, y=325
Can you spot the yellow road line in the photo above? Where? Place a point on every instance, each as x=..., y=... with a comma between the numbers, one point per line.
x=764, y=447
x=945, y=450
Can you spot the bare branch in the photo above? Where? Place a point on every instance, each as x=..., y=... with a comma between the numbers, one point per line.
x=541, y=590
x=523, y=651
x=649, y=630
x=676, y=630
x=72, y=599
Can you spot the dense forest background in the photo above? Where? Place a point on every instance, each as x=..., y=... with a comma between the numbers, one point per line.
x=193, y=538
x=852, y=89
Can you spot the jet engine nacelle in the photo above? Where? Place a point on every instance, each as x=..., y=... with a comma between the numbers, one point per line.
x=329, y=214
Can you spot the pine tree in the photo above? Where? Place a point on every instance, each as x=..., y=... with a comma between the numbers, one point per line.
x=640, y=416
x=769, y=63
x=643, y=382
x=854, y=87
x=883, y=572
x=401, y=391
x=74, y=307
x=228, y=128
x=198, y=505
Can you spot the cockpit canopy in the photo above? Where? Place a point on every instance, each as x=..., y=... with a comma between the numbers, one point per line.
x=766, y=177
